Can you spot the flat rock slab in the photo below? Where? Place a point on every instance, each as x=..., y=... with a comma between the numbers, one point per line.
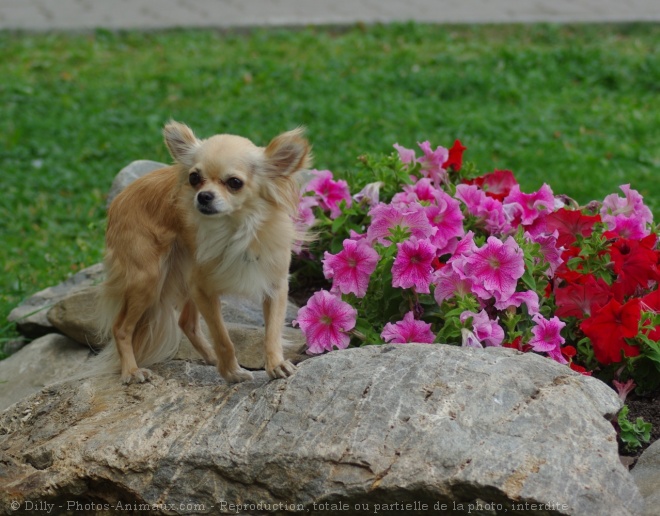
x=31, y=315
x=413, y=424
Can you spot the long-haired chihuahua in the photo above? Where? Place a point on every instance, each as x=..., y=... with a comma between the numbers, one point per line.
x=219, y=221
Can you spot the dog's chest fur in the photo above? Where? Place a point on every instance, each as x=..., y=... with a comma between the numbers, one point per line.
x=240, y=258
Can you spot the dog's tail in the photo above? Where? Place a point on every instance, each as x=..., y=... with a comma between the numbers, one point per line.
x=156, y=338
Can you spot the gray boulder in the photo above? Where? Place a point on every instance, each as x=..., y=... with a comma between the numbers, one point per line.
x=130, y=173
x=410, y=429
x=30, y=316
x=49, y=359
x=647, y=477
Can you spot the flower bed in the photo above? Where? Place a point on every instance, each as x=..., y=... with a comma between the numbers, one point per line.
x=431, y=251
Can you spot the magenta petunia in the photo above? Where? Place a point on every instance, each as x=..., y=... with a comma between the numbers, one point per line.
x=529, y=297
x=549, y=249
x=523, y=208
x=408, y=330
x=495, y=268
x=421, y=191
x=488, y=331
x=351, y=268
x=412, y=265
x=616, y=208
x=449, y=284
x=488, y=211
x=329, y=192
x=547, y=338
x=433, y=162
x=325, y=321
x=385, y=217
x=447, y=218
x=405, y=155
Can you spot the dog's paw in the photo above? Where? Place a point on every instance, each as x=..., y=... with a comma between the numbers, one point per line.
x=237, y=375
x=137, y=376
x=282, y=370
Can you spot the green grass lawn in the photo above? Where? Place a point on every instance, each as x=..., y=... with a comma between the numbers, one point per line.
x=574, y=106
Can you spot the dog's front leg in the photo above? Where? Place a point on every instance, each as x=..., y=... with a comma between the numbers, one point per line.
x=210, y=308
x=274, y=315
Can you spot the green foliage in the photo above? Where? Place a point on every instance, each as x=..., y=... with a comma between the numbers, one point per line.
x=574, y=106
x=633, y=435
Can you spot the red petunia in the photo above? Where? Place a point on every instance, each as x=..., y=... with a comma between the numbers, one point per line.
x=569, y=223
x=455, y=159
x=496, y=184
x=608, y=328
x=581, y=298
x=635, y=262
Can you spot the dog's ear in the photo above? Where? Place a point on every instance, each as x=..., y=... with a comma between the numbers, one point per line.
x=288, y=153
x=181, y=142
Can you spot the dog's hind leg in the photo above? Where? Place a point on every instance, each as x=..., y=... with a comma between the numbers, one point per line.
x=189, y=323
x=228, y=367
x=124, y=331
x=274, y=314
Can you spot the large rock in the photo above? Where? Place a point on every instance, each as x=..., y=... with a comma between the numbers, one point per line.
x=49, y=359
x=647, y=477
x=130, y=173
x=31, y=315
x=412, y=424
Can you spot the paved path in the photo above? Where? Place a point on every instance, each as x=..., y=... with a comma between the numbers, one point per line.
x=41, y=15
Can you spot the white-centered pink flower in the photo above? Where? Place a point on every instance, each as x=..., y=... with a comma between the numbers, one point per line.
x=351, y=268
x=326, y=320
x=547, y=338
x=488, y=331
x=412, y=266
x=495, y=268
x=329, y=193
x=386, y=217
x=408, y=330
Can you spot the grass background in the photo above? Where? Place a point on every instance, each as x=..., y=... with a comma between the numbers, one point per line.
x=573, y=106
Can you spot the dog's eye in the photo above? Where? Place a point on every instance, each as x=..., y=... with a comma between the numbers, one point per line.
x=234, y=183
x=194, y=178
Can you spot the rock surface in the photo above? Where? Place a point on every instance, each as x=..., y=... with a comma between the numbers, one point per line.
x=31, y=315
x=413, y=424
x=49, y=359
x=130, y=173
x=647, y=477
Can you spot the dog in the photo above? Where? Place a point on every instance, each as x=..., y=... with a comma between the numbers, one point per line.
x=219, y=221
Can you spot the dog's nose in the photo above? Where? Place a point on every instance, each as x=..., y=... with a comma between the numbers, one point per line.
x=205, y=198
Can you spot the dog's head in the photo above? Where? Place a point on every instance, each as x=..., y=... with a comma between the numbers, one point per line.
x=226, y=173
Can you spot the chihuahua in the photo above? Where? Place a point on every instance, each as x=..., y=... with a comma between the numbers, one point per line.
x=219, y=221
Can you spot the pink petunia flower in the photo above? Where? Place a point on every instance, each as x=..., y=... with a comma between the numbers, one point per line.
x=549, y=249
x=489, y=211
x=547, y=338
x=447, y=218
x=412, y=265
x=616, y=208
x=351, y=268
x=449, y=284
x=325, y=320
x=405, y=155
x=421, y=191
x=385, y=217
x=523, y=208
x=529, y=297
x=433, y=162
x=488, y=331
x=329, y=192
x=495, y=268
x=408, y=330
x=627, y=227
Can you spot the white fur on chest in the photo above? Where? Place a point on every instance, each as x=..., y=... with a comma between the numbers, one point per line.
x=240, y=264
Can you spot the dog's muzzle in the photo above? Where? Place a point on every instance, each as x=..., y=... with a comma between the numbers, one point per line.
x=205, y=203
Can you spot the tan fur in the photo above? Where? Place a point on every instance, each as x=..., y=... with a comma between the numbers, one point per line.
x=168, y=261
